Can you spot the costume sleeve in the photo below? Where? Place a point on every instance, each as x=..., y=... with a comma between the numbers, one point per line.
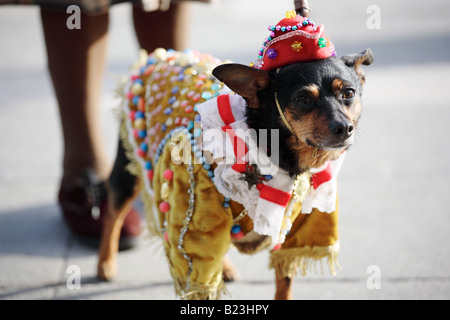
x=312, y=238
x=195, y=241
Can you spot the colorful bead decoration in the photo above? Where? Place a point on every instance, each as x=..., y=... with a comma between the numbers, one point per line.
x=322, y=43
x=163, y=95
x=164, y=207
x=236, y=232
x=161, y=103
x=276, y=247
x=168, y=174
x=296, y=46
x=155, y=113
x=290, y=14
x=150, y=174
x=272, y=53
x=295, y=39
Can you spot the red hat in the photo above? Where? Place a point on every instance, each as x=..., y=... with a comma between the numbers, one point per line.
x=293, y=39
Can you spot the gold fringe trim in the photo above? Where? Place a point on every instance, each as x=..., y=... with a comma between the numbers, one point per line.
x=287, y=262
x=199, y=291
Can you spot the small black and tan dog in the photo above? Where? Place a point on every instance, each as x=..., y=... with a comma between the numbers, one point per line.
x=314, y=105
x=321, y=101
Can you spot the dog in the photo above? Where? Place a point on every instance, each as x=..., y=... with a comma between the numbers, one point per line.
x=299, y=99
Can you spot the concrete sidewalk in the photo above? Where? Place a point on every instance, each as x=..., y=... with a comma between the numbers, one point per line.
x=394, y=185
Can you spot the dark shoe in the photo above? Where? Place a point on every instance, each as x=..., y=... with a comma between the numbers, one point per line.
x=84, y=204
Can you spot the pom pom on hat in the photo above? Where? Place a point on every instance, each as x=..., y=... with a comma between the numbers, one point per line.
x=293, y=39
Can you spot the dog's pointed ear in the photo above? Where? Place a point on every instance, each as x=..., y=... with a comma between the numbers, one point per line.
x=356, y=60
x=245, y=81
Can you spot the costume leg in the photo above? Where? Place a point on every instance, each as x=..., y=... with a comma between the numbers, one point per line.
x=312, y=237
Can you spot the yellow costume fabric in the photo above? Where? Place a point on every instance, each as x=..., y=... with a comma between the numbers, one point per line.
x=183, y=206
x=312, y=237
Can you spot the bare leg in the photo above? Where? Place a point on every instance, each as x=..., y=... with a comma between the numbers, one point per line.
x=162, y=29
x=76, y=61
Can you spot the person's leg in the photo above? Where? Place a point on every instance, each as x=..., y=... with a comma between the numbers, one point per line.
x=162, y=29
x=76, y=61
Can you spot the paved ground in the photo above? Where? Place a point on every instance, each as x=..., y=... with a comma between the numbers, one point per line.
x=394, y=186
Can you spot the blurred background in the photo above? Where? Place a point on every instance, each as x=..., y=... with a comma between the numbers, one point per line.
x=394, y=186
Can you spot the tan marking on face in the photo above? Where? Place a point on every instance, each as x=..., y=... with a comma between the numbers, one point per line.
x=308, y=156
x=313, y=91
x=355, y=112
x=303, y=128
x=337, y=86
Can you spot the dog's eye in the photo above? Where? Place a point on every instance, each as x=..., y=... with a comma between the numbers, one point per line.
x=348, y=93
x=302, y=100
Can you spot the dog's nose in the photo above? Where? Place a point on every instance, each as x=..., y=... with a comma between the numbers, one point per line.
x=342, y=129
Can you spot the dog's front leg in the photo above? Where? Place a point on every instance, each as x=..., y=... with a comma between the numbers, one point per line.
x=123, y=188
x=109, y=246
x=229, y=272
x=283, y=288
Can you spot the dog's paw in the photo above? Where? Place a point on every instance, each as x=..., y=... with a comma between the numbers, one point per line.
x=229, y=271
x=106, y=270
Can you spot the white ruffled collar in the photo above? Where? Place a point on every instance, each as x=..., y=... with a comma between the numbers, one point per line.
x=225, y=132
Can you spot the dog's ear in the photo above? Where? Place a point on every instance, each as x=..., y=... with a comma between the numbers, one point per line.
x=356, y=60
x=243, y=80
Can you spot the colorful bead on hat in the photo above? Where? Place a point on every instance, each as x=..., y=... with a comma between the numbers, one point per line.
x=293, y=39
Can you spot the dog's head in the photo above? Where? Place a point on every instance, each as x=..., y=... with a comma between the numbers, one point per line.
x=316, y=105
